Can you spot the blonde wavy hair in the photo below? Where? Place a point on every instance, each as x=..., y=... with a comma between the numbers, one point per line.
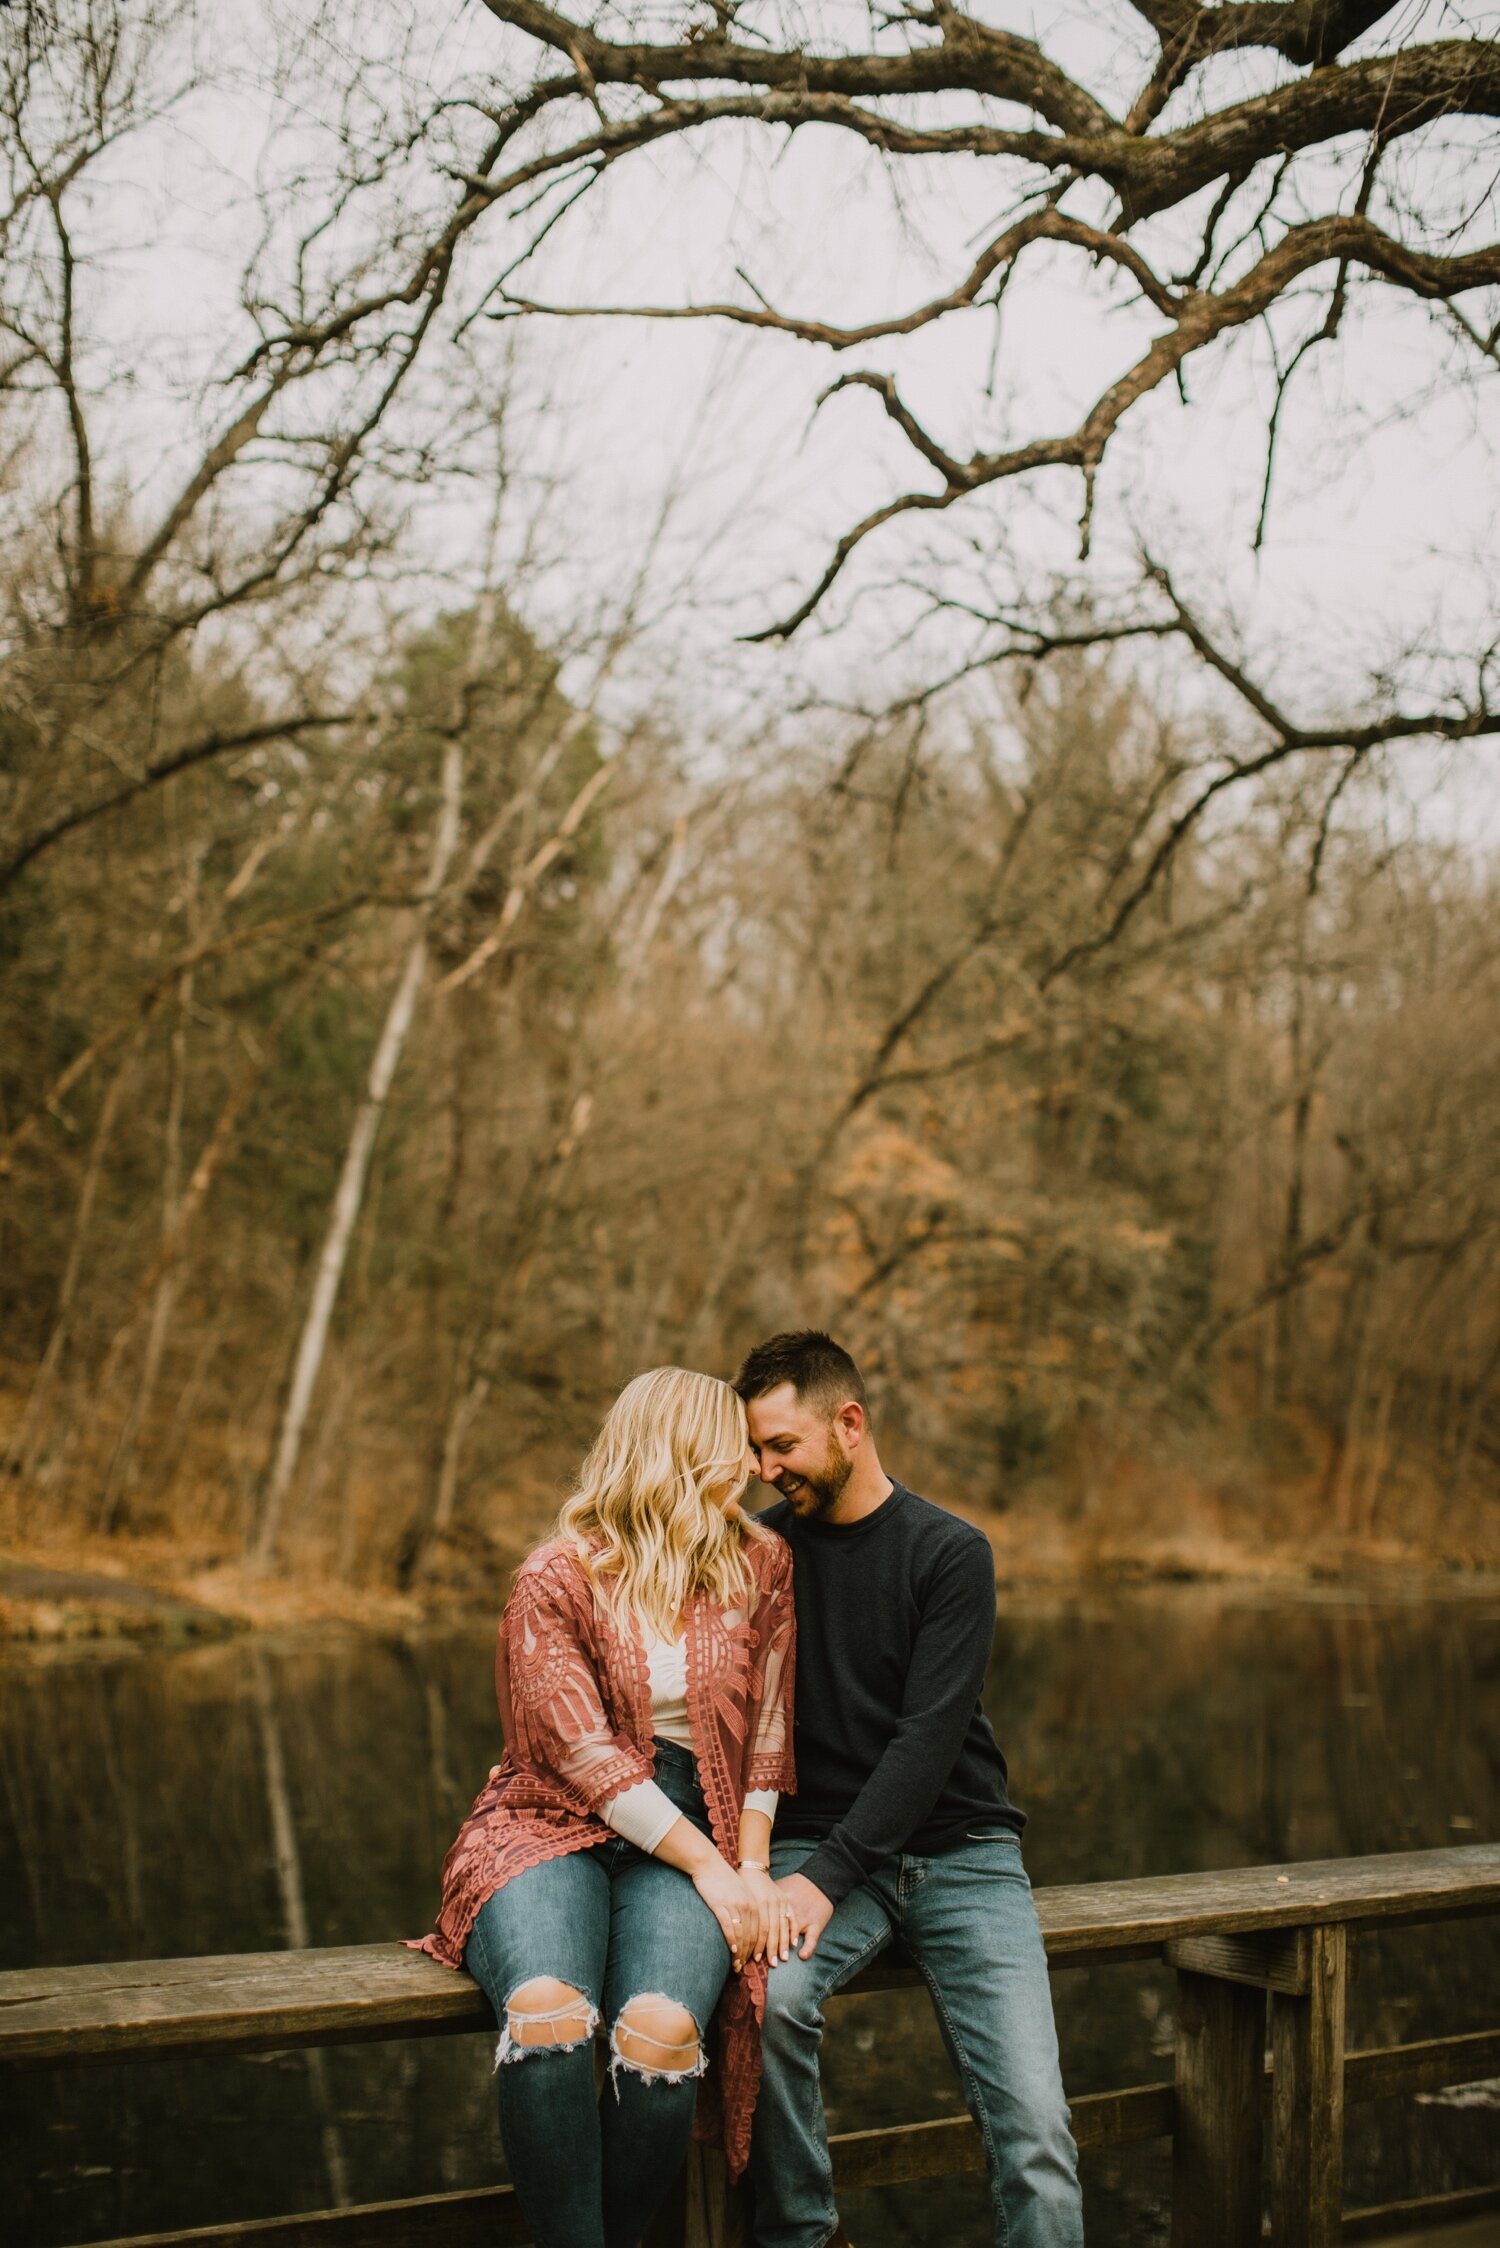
x=651, y=1519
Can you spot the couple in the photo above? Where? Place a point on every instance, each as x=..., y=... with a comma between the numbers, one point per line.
x=648, y=1854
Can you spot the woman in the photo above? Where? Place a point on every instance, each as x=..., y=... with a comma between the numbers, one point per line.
x=616, y=1867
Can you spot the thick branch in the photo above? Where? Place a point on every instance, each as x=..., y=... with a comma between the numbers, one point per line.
x=200, y=752
x=1394, y=94
x=971, y=56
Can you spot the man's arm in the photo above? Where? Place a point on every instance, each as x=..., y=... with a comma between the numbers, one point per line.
x=948, y=1664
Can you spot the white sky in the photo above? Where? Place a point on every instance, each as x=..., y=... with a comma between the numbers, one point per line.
x=1383, y=524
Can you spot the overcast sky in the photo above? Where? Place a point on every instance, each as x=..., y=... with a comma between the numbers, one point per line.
x=1382, y=527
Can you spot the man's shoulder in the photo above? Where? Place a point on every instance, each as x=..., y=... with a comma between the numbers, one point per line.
x=934, y=1525
x=942, y=1549
x=778, y=1516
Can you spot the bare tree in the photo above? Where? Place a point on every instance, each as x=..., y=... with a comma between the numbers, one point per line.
x=349, y=1196
x=1207, y=206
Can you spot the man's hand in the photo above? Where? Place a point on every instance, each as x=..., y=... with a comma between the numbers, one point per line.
x=811, y=1912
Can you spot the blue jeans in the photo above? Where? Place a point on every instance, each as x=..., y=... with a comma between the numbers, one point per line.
x=966, y=1921
x=613, y=1924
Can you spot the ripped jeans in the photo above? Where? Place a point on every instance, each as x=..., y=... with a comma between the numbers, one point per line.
x=613, y=1925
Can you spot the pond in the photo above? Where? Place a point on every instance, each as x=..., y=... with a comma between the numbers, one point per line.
x=256, y=1794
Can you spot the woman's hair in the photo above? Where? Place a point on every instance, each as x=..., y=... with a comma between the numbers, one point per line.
x=648, y=1517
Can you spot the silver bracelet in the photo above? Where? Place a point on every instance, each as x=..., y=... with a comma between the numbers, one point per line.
x=754, y=1865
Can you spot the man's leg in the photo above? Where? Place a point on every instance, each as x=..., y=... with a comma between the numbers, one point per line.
x=791, y=2177
x=968, y=1921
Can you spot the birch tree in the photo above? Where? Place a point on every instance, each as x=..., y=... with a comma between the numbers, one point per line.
x=349, y=1195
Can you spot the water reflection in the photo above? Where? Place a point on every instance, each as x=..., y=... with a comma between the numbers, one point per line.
x=239, y=1798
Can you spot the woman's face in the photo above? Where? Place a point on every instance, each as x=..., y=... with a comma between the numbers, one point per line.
x=734, y=1492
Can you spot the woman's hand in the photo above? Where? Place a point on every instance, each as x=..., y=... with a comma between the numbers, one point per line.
x=728, y=1897
x=774, y=1917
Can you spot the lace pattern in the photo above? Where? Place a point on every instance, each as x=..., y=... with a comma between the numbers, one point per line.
x=575, y=1707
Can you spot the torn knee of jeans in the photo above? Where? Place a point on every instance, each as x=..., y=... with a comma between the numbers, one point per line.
x=545, y=2016
x=657, y=2039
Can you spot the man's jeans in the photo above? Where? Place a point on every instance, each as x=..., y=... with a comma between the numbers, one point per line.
x=966, y=1921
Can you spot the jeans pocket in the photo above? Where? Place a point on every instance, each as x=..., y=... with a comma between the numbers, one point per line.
x=990, y=1854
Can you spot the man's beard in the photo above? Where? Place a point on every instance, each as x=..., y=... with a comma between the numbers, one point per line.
x=820, y=1494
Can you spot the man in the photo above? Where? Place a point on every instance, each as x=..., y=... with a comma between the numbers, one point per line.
x=901, y=1828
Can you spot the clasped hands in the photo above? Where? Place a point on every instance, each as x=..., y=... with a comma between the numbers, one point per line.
x=761, y=1918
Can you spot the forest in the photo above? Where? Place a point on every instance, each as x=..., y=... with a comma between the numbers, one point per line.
x=406, y=1034
x=1194, y=1243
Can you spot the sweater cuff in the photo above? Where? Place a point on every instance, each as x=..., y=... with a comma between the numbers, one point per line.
x=831, y=1870
x=645, y=1814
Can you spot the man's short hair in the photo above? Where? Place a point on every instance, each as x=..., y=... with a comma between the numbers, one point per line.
x=819, y=1370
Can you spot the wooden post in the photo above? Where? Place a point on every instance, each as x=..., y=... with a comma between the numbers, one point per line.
x=1220, y=2043
x=711, y=2216
x=1307, y=2100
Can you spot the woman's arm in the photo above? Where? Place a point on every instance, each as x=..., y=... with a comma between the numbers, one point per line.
x=755, y=1838
x=773, y=1931
x=551, y=1706
x=726, y=1893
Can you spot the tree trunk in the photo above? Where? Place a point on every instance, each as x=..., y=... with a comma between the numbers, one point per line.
x=180, y=1209
x=1484, y=1382
x=469, y=1394
x=27, y=1442
x=1358, y=1341
x=1289, y=1307
x=164, y=1301
x=473, y=1377
x=351, y=1187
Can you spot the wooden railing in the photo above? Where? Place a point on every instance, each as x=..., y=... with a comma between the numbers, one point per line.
x=1240, y=2119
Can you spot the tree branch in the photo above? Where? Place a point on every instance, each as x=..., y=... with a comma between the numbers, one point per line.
x=200, y=752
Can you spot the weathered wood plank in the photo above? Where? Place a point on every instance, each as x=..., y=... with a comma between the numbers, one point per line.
x=1104, y=1917
x=1125, y=2118
x=1220, y=2057
x=491, y=2218
x=1307, y=2100
x=260, y=2002
x=488, y=2218
x=945, y=2148
x=1382, y=2072
x=1392, y=2217
x=1278, y=1961
x=248, y=2002
x=951, y=2145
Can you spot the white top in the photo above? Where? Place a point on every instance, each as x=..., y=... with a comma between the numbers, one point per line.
x=645, y=1814
x=666, y=1660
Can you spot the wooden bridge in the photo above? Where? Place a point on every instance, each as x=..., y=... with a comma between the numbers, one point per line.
x=1255, y=2111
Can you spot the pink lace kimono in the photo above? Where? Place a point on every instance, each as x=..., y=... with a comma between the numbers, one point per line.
x=575, y=1707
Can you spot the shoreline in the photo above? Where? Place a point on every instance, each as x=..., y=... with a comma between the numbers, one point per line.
x=147, y=1596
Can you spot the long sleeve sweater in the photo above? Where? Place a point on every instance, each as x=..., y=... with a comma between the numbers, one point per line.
x=895, y=1615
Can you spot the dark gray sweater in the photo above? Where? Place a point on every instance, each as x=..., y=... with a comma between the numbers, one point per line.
x=895, y=1615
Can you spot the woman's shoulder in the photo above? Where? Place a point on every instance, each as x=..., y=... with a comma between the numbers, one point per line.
x=769, y=1556
x=553, y=1567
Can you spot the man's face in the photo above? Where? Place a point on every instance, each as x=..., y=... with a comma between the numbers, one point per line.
x=801, y=1453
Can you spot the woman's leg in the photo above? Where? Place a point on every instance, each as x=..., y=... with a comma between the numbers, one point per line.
x=538, y=1950
x=667, y=1965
